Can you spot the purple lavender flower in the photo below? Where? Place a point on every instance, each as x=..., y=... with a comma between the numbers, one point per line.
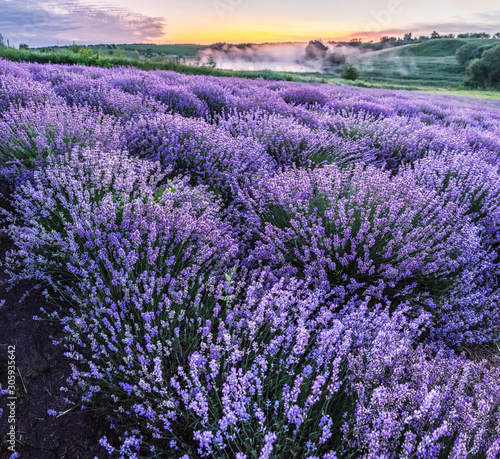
x=257, y=269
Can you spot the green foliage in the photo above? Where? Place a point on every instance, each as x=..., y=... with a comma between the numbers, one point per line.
x=274, y=76
x=471, y=51
x=476, y=73
x=465, y=54
x=50, y=56
x=74, y=48
x=474, y=35
x=85, y=55
x=485, y=71
x=350, y=73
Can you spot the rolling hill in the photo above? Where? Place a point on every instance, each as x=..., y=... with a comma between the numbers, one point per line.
x=431, y=63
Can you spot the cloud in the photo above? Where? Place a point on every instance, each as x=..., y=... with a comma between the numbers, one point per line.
x=478, y=22
x=476, y=5
x=42, y=23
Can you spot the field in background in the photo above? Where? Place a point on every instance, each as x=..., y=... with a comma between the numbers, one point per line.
x=429, y=66
x=148, y=51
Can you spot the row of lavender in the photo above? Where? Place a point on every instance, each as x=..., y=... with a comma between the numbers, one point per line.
x=254, y=269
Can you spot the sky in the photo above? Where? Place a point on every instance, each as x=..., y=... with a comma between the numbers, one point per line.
x=61, y=22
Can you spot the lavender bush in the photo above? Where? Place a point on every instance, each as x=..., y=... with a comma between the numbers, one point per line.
x=21, y=90
x=466, y=180
x=193, y=147
x=289, y=142
x=298, y=380
x=358, y=232
x=28, y=135
x=159, y=254
x=303, y=95
x=212, y=94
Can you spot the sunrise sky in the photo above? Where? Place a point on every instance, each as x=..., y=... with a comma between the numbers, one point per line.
x=41, y=23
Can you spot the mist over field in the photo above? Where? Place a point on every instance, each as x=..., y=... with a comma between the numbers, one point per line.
x=286, y=57
x=277, y=57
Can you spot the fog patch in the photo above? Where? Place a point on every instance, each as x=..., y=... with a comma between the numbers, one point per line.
x=314, y=56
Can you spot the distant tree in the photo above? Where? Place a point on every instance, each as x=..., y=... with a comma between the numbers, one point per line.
x=74, y=48
x=407, y=37
x=388, y=41
x=336, y=58
x=471, y=51
x=465, y=54
x=497, y=36
x=316, y=50
x=1, y=40
x=474, y=35
x=476, y=73
x=350, y=73
x=491, y=59
x=211, y=62
x=24, y=46
x=434, y=35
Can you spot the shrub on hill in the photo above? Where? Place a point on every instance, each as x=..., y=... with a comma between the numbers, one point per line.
x=350, y=73
x=486, y=70
x=471, y=51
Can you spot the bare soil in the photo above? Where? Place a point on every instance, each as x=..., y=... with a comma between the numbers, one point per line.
x=42, y=369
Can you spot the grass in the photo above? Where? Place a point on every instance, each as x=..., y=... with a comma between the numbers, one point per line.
x=403, y=65
x=477, y=93
x=429, y=67
x=445, y=46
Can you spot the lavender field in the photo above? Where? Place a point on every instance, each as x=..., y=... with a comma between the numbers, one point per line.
x=256, y=269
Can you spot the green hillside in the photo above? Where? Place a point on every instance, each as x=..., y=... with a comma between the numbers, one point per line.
x=428, y=64
x=438, y=48
x=445, y=47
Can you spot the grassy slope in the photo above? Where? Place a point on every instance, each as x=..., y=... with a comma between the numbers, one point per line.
x=424, y=65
